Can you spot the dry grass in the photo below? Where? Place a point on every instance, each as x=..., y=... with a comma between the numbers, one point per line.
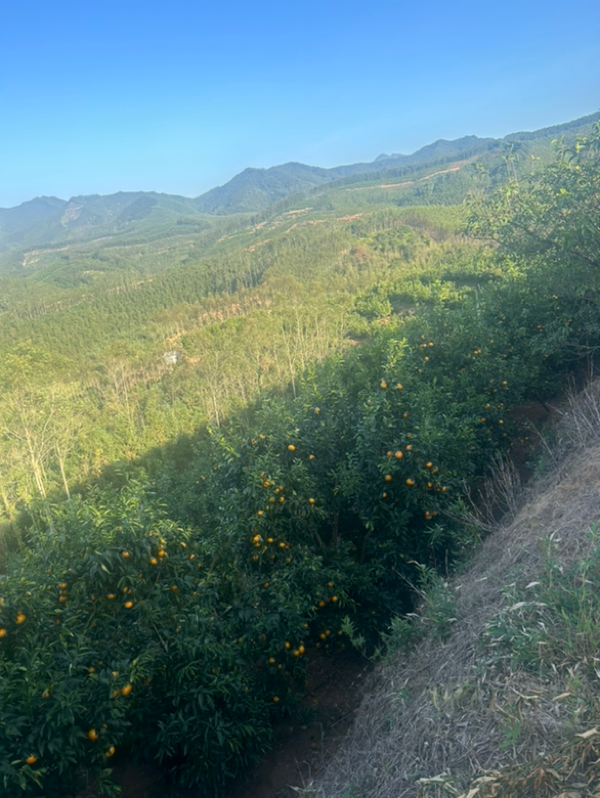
x=469, y=717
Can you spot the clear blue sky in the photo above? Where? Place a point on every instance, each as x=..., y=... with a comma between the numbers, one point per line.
x=179, y=96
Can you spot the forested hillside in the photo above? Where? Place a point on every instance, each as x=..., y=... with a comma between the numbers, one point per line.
x=222, y=449
x=120, y=218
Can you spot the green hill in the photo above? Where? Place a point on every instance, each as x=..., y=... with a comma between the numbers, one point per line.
x=257, y=189
x=52, y=222
x=230, y=446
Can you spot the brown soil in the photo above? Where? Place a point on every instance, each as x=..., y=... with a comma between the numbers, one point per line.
x=412, y=182
x=334, y=694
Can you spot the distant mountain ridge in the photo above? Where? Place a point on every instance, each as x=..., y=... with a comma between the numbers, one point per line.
x=256, y=189
x=49, y=220
x=52, y=221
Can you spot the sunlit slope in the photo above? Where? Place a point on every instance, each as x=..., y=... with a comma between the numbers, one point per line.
x=371, y=372
x=50, y=222
x=258, y=189
x=144, y=294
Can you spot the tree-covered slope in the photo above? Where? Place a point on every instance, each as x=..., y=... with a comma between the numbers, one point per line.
x=51, y=222
x=210, y=473
x=256, y=189
x=169, y=614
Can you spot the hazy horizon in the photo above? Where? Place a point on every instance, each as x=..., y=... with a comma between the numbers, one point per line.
x=135, y=97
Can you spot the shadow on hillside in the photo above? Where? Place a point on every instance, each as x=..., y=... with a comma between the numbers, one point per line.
x=175, y=456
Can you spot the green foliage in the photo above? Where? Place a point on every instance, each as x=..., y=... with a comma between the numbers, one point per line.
x=553, y=215
x=551, y=625
x=172, y=618
x=129, y=635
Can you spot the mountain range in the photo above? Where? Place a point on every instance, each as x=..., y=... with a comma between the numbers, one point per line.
x=51, y=221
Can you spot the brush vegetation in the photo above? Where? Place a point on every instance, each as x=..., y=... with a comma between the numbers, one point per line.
x=491, y=687
x=218, y=458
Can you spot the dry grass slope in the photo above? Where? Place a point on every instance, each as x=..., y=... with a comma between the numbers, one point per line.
x=509, y=704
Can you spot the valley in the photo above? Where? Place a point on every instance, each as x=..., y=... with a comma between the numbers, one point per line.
x=237, y=443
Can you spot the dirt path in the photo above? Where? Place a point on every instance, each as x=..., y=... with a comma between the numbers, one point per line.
x=333, y=696
x=408, y=183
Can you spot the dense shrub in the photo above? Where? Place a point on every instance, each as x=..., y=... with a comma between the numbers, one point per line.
x=173, y=619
